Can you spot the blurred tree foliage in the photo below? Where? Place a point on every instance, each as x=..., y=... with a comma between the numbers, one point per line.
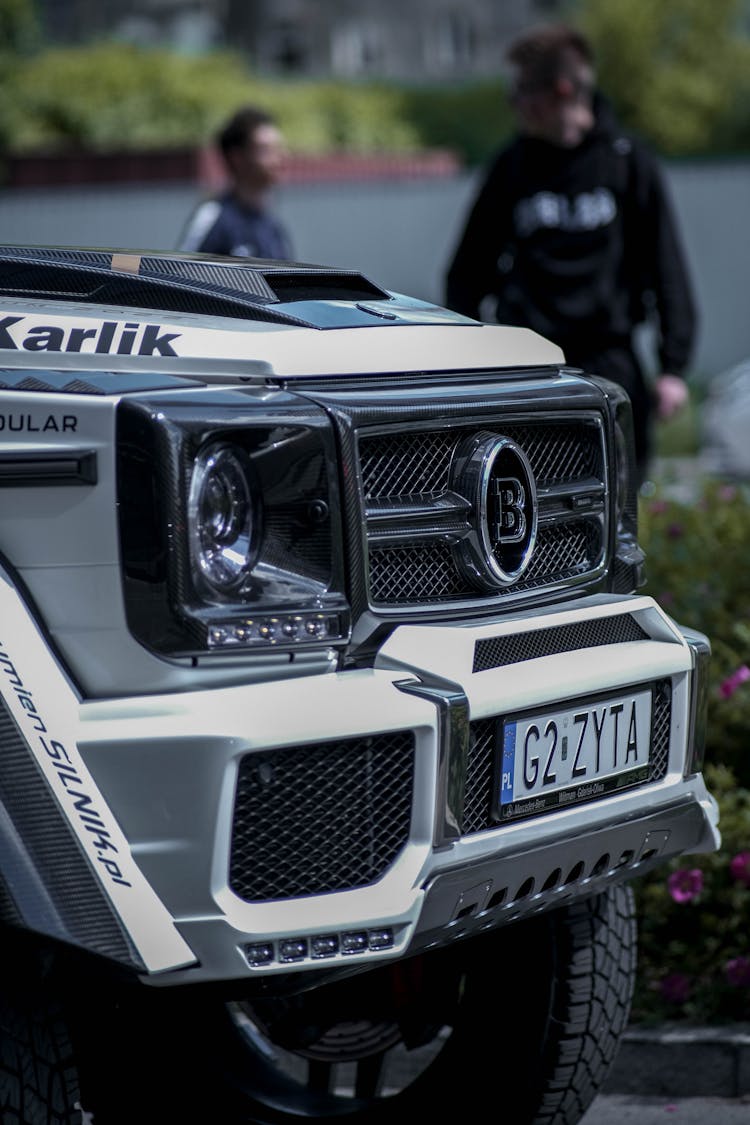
x=19, y=37
x=19, y=30
x=677, y=71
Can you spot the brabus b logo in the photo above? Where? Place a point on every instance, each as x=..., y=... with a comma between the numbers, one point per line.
x=506, y=516
x=495, y=477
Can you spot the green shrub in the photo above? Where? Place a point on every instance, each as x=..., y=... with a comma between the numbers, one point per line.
x=115, y=96
x=694, y=913
x=474, y=119
x=696, y=565
x=694, y=924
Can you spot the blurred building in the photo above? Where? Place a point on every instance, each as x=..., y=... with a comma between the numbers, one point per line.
x=415, y=40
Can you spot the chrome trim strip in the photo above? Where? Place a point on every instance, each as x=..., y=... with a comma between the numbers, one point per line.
x=700, y=648
x=453, y=732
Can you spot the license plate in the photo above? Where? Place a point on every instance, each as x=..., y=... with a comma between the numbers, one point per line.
x=559, y=758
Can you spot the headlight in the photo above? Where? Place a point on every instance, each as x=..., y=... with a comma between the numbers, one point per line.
x=223, y=517
x=230, y=526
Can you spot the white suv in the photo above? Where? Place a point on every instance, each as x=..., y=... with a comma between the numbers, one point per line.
x=333, y=725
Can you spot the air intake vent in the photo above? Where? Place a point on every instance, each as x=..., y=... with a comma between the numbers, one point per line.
x=497, y=652
x=304, y=286
x=320, y=818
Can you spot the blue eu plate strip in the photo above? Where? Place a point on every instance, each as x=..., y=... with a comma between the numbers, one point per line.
x=508, y=768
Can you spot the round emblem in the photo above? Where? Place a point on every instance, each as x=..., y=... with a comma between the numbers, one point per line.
x=494, y=475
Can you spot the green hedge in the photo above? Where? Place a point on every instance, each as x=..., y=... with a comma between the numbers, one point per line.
x=115, y=96
x=695, y=913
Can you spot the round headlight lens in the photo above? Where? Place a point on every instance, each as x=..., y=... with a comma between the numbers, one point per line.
x=222, y=520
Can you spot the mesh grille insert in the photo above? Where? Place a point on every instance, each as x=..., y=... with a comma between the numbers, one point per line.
x=321, y=818
x=427, y=572
x=418, y=463
x=496, y=652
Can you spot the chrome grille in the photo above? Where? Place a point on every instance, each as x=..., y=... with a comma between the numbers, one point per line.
x=480, y=765
x=406, y=476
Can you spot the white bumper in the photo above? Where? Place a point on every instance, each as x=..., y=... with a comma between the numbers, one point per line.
x=162, y=771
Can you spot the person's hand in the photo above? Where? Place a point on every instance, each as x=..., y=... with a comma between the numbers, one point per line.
x=671, y=396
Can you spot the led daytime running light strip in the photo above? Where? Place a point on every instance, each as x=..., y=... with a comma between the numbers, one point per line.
x=319, y=946
x=276, y=629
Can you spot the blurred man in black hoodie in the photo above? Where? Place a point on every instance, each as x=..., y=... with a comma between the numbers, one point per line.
x=572, y=233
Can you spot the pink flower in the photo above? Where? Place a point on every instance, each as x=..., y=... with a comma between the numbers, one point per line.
x=727, y=492
x=730, y=685
x=738, y=972
x=685, y=885
x=658, y=507
x=740, y=867
x=675, y=988
x=675, y=531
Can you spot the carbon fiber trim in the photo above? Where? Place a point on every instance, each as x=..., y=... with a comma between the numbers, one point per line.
x=175, y=283
x=58, y=892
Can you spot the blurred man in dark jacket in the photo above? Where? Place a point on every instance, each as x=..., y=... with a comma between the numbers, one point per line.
x=572, y=233
x=240, y=221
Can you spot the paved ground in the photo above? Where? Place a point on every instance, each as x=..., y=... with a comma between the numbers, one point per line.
x=621, y=1109
x=677, y=1075
x=682, y=1061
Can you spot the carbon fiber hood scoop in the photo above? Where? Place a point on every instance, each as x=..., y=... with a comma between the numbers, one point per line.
x=278, y=292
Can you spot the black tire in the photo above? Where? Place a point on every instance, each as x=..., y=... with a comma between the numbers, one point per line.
x=38, y=1080
x=519, y=1027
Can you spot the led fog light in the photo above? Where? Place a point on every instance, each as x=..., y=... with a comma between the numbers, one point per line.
x=293, y=949
x=353, y=942
x=324, y=945
x=261, y=954
x=381, y=939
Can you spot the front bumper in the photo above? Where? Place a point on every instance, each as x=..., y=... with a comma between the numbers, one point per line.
x=163, y=770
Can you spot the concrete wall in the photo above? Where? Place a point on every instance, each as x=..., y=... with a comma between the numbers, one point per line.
x=401, y=233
